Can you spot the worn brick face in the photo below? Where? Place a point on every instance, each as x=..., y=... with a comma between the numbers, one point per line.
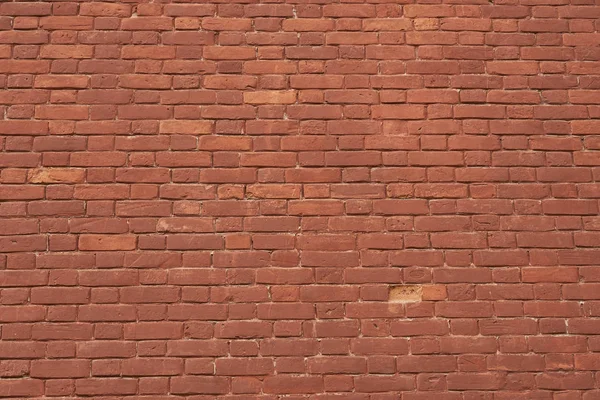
x=300, y=200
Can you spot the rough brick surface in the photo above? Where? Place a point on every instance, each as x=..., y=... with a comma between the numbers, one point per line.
x=300, y=200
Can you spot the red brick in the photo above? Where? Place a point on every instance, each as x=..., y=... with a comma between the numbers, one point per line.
x=398, y=112
x=243, y=329
x=337, y=365
x=192, y=194
x=464, y=309
x=107, y=242
x=105, y=386
x=393, y=346
x=60, y=368
x=22, y=387
x=565, y=381
x=552, y=309
x=382, y=383
x=244, y=366
x=199, y=385
x=66, y=23
x=287, y=311
x=474, y=381
x=105, y=349
x=283, y=384
x=27, y=350
x=507, y=326
x=153, y=330
x=437, y=363
x=288, y=347
x=548, y=274
x=198, y=348
x=418, y=328
x=151, y=367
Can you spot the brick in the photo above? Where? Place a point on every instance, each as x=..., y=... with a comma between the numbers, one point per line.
x=108, y=312
x=18, y=226
x=149, y=294
x=287, y=311
x=584, y=127
x=66, y=51
x=105, y=386
x=460, y=345
x=337, y=365
x=316, y=82
x=151, y=367
x=308, y=25
x=105, y=349
x=59, y=295
x=66, y=23
x=16, y=127
x=437, y=363
x=23, y=314
x=243, y=329
x=60, y=368
x=153, y=330
x=234, y=53
x=577, y=207
x=22, y=387
x=56, y=175
x=289, y=384
x=26, y=9
x=512, y=67
x=507, y=326
x=28, y=243
x=25, y=350
x=474, y=381
x=270, y=97
x=552, y=309
x=243, y=366
x=398, y=112
x=315, y=207
x=324, y=200
x=418, y=328
x=14, y=192
x=198, y=10
x=105, y=242
x=549, y=240
x=98, y=9
x=569, y=380
x=378, y=383
x=199, y=385
x=464, y=309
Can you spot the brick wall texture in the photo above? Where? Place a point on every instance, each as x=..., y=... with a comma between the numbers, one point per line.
x=300, y=200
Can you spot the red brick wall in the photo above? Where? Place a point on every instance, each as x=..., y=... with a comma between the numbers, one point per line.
x=364, y=201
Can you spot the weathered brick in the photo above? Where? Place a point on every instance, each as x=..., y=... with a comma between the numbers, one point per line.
x=317, y=200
